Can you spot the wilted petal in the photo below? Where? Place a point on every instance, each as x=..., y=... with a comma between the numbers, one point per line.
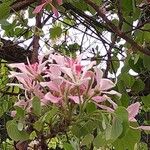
x=133, y=110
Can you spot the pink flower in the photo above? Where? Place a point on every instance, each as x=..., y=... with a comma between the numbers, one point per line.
x=133, y=110
x=49, y=97
x=40, y=7
x=31, y=70
x=56, y=91
x=102, y=83
x=146, y=128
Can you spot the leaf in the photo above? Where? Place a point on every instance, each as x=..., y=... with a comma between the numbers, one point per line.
x=122, y=115
x=125, y=99
x=128, y=141
x=4, y=9
x=127, y=6
x=138, y=66
x=146, y=61
x=100, y=140
x=50, y=114
x=33, y=135
x=115, y=64
x=14, y=133
x=67, y=146
x=1, y=111
x=55, y=32
x=84, y=128
x=38, y=125
x=36, y=105
x=128, y=80
x=138, y=85
x=87, y=140
x=117, y=129
x=20, y=126
x=146, y=100
x=5, y=106
x=90, y=107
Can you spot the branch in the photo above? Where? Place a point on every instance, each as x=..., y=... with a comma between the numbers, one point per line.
x=21, y=4
x=116, y=29
x=36, y=38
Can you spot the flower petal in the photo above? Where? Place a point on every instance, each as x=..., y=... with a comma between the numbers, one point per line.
x=146, y=128
x=99, y=99
x=52, y=98
x=133, y=110
x=106, y=84
x=38, y=8
x=76, y=99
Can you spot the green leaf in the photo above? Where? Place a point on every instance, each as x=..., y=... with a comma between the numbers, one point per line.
x=55, y=32
x=50, y=114
x=117, y=129
x=115, y=64
x=1, y=111
x=125, y=99
x=122, y=115
x=90, y=107
x=138, y=85
x=128, y=80
x=20, y=112
x=128, y=141
x=146, y=61
x=127, y=6
x=138, y=66
x=87, y=140
x=4, y=9
x=84, y=128
x=146, y=100
x=5, y=106
x=14, y=133
x=36, y=105
x=20, y=126
x=33, y=135
x=67, y=146
x=38, y=125
x=100, y=140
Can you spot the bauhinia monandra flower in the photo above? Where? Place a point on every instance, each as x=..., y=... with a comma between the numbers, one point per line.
x=65, y=82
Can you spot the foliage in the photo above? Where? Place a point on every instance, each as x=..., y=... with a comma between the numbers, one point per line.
x=89, y=86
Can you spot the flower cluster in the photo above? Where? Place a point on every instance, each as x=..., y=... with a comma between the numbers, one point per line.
x=64, y=81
